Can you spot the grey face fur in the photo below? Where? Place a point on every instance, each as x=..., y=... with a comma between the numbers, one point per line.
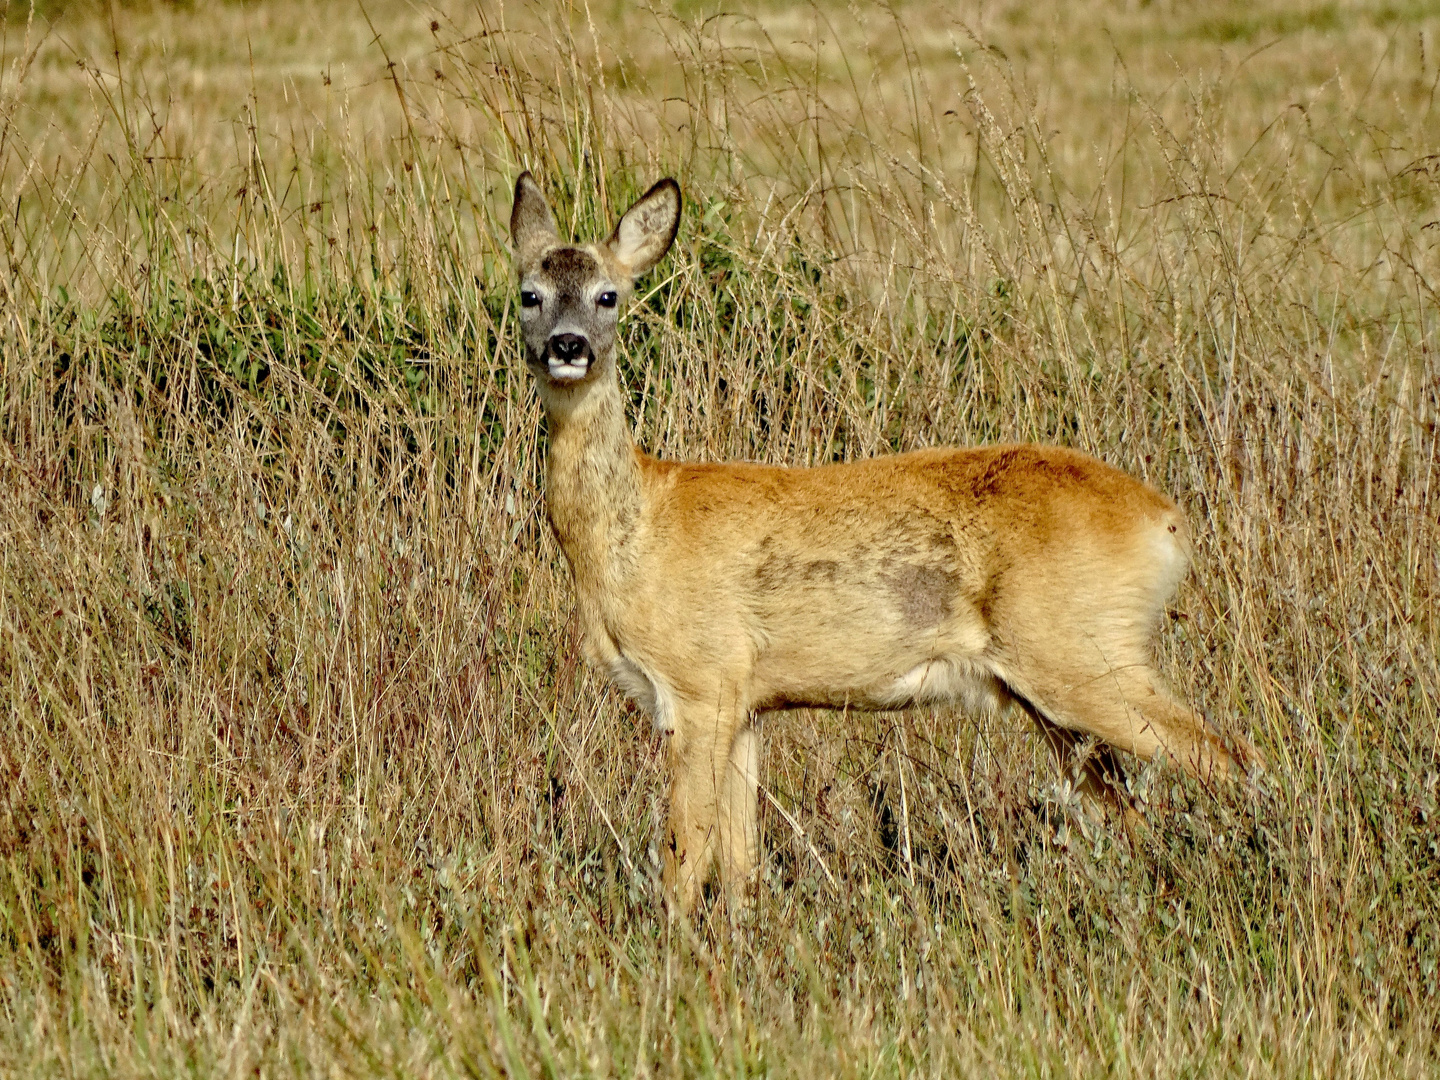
x=570, y=294
x=568, y=308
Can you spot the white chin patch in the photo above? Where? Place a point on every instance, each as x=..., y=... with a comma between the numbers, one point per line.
x=562, y=371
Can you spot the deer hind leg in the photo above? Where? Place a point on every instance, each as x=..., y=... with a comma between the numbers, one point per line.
x=1128, y=706
x=700, y=763
x=1095, y=772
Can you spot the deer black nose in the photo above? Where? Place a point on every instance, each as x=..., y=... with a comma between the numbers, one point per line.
x=568, y=347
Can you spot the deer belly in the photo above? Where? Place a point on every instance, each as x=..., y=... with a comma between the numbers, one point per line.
x=879, y=671
x=944, y=680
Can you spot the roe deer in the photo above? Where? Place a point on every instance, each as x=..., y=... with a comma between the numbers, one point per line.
x=711, y=592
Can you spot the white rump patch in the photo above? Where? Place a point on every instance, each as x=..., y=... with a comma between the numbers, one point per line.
x=652, y=695
x=1171, y=562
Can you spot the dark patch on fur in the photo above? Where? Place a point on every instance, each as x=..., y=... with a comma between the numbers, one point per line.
x=924, y=594
x=996, y=473
x=774, y=571
x=571, y=269
x=828, y=569
x=985, y=600
x=1064, y=469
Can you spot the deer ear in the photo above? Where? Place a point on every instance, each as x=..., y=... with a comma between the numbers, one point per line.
x=648, y=228
x=531, y=223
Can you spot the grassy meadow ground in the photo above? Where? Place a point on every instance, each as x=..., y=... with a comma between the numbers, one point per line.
x=300, y=772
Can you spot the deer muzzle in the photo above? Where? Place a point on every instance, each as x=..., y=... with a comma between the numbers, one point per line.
x=568, y=357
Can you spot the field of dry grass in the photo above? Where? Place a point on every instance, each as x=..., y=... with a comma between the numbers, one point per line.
x=300, y=772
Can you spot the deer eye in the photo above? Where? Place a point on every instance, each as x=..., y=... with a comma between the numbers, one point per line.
x=529, y=298
x=607, y=299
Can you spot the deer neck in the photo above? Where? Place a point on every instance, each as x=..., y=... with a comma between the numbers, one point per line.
x=592, y=484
